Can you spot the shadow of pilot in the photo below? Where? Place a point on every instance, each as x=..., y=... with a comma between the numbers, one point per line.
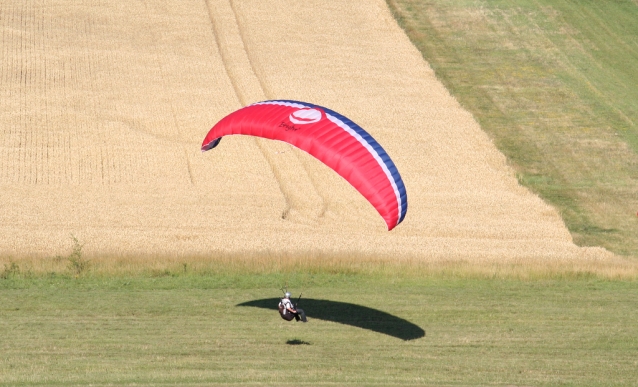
x=288, y=311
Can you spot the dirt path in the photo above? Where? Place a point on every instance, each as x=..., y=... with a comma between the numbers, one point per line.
x=104, y=108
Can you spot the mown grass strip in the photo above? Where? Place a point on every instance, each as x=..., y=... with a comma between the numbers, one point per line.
x=188, y=330
x=556, y=86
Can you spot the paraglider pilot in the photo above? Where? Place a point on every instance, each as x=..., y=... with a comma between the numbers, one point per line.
x=288, y=311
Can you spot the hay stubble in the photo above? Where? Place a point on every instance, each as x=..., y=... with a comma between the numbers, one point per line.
x=104, y=108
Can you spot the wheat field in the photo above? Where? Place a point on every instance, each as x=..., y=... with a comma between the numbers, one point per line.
x=103, y=107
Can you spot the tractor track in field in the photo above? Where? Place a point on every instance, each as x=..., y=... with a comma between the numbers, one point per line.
x=303, y=202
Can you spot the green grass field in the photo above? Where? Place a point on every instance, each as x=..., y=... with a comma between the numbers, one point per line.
x=555, y=84
x=189, y=330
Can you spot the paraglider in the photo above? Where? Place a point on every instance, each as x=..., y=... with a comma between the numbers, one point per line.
x=330, y=137
x=289, y=311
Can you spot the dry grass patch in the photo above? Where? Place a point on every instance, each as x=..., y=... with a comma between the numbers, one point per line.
x=74, y=264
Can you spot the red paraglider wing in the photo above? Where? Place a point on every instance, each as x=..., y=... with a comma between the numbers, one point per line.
x=330, y=137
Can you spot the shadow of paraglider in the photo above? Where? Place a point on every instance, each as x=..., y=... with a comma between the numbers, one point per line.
x=350, y=314
x=297, y=342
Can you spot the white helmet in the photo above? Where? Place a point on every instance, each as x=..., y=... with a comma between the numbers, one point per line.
x=287, y=295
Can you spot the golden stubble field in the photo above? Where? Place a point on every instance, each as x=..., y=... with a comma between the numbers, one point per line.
x=103, y=107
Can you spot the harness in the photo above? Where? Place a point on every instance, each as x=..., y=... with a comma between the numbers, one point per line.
x=284, y=312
